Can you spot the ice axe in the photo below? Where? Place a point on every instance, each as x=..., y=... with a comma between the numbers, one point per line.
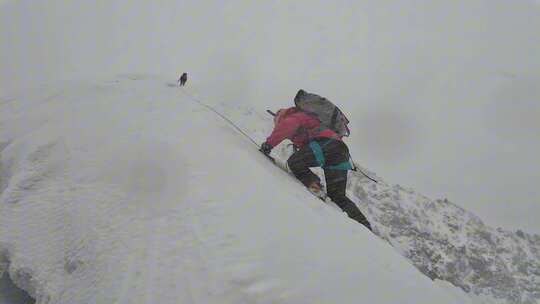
x=267, y=155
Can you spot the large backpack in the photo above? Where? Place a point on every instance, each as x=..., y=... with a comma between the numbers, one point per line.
x=330, y=116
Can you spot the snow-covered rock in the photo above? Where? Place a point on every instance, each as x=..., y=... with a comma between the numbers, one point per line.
x=447, y=242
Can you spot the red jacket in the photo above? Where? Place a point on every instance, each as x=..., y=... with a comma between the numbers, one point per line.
x=297, y=126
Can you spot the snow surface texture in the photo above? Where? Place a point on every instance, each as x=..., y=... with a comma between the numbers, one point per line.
x=127, y=191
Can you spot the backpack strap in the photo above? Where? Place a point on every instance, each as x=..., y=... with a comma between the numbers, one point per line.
x=334, y=118
x=317, y=152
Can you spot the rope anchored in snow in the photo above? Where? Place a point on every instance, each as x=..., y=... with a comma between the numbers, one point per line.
x=222, y=116
x=225, y=118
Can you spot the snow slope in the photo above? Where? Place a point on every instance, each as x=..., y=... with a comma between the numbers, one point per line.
x=127, y=191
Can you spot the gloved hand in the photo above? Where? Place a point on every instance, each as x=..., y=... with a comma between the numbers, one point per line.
x=266, y=148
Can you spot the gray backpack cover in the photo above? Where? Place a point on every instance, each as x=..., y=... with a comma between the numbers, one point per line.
x=330, y=116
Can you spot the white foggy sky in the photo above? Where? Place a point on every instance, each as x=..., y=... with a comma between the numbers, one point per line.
x=443, y=95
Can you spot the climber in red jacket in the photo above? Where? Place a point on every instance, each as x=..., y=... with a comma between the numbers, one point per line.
x=316, y=147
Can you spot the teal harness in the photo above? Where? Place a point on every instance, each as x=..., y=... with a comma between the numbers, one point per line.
x=319, y=156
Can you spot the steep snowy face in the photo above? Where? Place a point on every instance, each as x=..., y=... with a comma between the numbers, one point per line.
x=127, y=191
x=443, y=240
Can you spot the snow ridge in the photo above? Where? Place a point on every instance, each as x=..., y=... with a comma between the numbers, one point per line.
x=125, y=191
x=107, y=196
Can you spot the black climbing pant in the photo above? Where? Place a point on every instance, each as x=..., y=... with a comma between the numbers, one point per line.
x=335, y=152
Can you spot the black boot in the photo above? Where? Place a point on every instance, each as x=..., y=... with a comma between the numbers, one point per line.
x=355, y=213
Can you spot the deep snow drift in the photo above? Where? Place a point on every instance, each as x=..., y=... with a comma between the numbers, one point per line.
x=126, y=191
